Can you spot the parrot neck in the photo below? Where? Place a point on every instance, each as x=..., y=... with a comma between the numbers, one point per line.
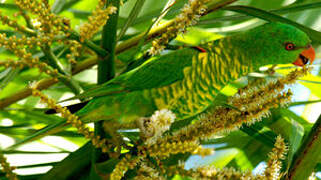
x=248, y=49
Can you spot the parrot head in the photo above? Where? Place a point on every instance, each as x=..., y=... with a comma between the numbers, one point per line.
x=277, y=43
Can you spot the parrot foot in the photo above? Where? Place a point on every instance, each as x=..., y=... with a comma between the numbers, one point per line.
x=115, y=138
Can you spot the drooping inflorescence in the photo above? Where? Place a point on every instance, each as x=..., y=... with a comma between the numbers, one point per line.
x=98, y=19
x=128, y=162
x=7, y=169
x=49, y=23
x=97, y=141
x=189, y=15
x=272, y=170
x=251, y=103
x=147, y=169
x=34, y=63
x=13, y=23
x=251, y=106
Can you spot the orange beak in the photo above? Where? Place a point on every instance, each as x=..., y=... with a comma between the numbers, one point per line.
x=305, y=57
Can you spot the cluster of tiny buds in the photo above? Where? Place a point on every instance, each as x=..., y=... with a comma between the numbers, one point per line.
x=128, y=162
x=75, y=49
x=7, y=169
x=226, y=119
x=97, y=141
x=266, y=90
x=274, y=163
x=189, y=15
x=146, y=172
x=49, y=22
x=209, y=172
x=33, y=63
x=14, y=42
x=166, y=149
x=12, y=45
x=17, y=46
x=12, y=23
x=98, y=19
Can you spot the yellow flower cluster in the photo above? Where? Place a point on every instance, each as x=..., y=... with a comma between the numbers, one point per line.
x=209, y=172
x=168, y=148
x=267, y=91
x=158, y=151
x=12, y=23
x=7, y=169
x=16, y=45
x=75, y=48
x=146, y=172
x=13, y=45
x=128, y=162
x=98, y=19
x=215, y=121
x=13, y=42
x=189, y=15
x=34, y=63
x=97, y=141
x=225, y=119
x=252, y=105
x=272, y=170
x=49, y=22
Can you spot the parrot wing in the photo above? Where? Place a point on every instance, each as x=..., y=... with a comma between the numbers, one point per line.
x=156, y=72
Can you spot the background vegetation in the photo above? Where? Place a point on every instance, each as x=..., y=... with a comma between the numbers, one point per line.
x=24, y=130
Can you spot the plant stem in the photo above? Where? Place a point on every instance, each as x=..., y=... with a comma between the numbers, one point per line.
x=308, y=156
x=106, y=67
x=97, y=49
x=44, y=84
x=64, y=78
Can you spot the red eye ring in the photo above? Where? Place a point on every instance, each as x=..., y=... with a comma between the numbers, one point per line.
x=289, y=46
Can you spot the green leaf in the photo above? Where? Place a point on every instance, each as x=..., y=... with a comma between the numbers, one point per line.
x=132, y=16
x=296, y=137
x=61, y=5
x=221, y=158
x=72, y=166
x=304, y=103
x=308, y=155
x=8, y=6
x=283, y=10
x=7, y=76
x=39, y=134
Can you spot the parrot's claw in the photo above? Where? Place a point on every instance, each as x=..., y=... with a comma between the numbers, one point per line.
x=115, y=138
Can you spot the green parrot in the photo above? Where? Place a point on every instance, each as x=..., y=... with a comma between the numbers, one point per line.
x=187, y=81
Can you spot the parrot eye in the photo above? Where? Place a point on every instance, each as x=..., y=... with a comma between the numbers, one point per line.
x=289, y=46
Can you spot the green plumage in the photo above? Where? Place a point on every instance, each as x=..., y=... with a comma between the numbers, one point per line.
x=187, y=81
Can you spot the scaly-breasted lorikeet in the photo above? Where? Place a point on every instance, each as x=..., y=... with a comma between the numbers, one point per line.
x=187, y=81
